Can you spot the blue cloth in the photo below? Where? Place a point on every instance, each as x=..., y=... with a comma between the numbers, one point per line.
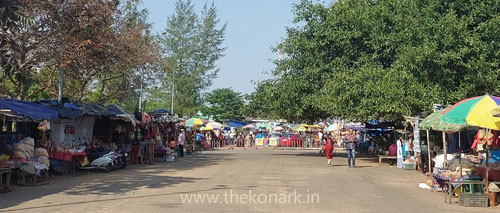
x=27, y=109
x=454, y=145
x=198, y=136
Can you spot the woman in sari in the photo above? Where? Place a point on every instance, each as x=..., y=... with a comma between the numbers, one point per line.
x=328, y=150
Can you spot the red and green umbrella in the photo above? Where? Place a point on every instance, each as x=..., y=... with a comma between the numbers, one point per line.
x=474, y=112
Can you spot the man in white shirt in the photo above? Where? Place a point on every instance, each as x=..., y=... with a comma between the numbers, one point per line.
x=181, y=142
x=320, y=135
x=399, y=143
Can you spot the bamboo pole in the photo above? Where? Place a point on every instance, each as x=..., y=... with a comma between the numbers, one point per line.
x=429, y=154
x=487, y=162
x=460, y=154
x=445, y=151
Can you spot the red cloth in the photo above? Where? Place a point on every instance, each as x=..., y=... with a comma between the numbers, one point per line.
x=78, y=157
x=329, y=149
x=493, y=144
x=393, y=149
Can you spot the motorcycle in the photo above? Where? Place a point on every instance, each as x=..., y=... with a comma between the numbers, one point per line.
x=121, y=157
x=105, y=163
x=106, y=160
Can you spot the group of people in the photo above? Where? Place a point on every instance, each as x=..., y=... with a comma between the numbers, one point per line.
x=206, y=139
x=349, y=140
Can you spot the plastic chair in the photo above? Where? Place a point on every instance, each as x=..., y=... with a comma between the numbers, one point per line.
x=140, y=154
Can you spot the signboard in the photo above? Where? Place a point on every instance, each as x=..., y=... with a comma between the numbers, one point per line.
x=416, y=137
x=273, y=142
x=259, y=142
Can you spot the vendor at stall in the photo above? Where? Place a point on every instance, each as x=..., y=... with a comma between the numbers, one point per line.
x=4, y=149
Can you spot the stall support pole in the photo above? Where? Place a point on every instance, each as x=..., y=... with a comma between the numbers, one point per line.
x=429, y=154
x=460, y=154
x=445, y=151
x=487, y=169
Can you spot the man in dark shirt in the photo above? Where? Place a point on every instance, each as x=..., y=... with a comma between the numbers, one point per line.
x=350, y=147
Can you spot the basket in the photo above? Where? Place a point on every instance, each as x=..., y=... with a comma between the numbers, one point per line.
x=473, y=200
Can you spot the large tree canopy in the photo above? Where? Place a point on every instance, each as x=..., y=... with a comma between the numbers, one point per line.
x=102, y=46
x=192, y=44
x=362, y=59
x=224, y=104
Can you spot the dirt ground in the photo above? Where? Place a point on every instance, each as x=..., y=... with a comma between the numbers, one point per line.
x=242, y=181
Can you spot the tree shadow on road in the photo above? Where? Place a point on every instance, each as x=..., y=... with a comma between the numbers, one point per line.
x=128, y=180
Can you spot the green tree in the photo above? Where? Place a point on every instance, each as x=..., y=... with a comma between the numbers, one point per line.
x=192, y=44
x=224, y=104
x=105, y=48
x=262, y=102
x=384, y=59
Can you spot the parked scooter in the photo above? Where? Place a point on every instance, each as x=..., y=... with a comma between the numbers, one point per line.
x=106, y=163
x=106, y=160
x=121, y=157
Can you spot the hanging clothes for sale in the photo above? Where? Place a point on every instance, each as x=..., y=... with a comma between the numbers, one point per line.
x=458, y=141
x=484, y=137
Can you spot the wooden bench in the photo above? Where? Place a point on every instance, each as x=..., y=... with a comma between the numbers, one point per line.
x=380, y=157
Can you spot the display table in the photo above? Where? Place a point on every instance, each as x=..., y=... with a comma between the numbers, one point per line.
x=68, y=161
x=7, y=172
x=78, y=157
x=381, y=157
x=451, y=187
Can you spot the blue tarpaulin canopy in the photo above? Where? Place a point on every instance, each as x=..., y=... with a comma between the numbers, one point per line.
x=236, y=124
x=66, y=110
x=30, y=110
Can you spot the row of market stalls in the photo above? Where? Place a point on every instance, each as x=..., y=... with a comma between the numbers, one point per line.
x=46, y=135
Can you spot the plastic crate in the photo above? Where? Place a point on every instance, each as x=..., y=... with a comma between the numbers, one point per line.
x=409, y=166
x=473, y=200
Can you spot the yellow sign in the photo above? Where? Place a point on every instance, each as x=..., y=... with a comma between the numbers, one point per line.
x=273, y=142
x=259, y=142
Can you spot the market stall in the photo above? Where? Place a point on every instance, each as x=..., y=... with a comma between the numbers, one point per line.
x=474, y=112
x=23, y=141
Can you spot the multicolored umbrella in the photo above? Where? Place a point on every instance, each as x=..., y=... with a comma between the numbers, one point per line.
x=333, y=127
x=249, y=126
x=264, y=125
x=301, y=129
x=193, y=122
x=433, y=121
x=278, y=128
x=474, y=112
x=213, y=126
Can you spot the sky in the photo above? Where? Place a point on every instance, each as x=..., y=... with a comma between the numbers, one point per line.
x=253, y=27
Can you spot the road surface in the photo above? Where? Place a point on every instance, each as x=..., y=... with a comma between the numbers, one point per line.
x=238, y=181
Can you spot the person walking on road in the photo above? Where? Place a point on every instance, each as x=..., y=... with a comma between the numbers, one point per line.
x=182, y=141
x=199, y=139
x=248, y=140
x=350, y=147
x=329, y=150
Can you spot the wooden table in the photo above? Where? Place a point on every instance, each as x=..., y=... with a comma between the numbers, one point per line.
x=380, y=157
x=6, y=171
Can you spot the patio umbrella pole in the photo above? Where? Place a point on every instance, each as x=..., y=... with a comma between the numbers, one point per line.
x=429, y=153
x=487, y=163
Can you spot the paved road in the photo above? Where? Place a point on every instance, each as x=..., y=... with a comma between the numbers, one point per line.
x=244, y=181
